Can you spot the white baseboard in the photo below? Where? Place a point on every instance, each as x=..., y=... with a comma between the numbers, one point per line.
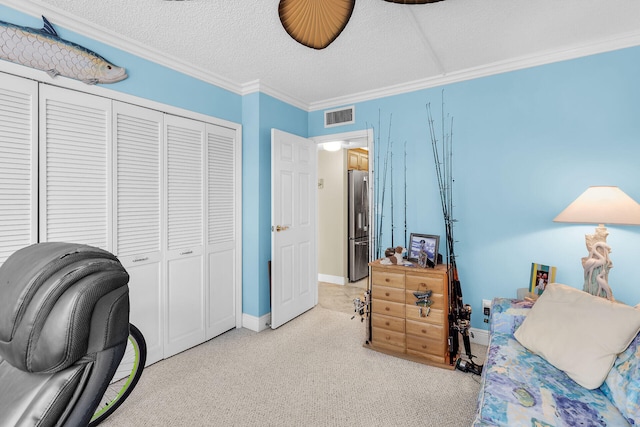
x=336, y=280
x=256, y=324
x=480, y=336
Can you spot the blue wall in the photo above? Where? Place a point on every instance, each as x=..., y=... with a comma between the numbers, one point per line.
x=526, y=144
x=261, y=113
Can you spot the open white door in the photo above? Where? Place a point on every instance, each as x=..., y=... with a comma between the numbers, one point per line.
x=294, y=276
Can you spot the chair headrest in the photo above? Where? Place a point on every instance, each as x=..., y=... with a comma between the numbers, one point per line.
x=53, y=297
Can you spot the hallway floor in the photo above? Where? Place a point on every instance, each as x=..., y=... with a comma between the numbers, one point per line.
x=340, y=297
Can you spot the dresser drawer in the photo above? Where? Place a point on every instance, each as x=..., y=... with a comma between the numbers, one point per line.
x=388, y=322
x=425, y=282
x=421, y=345
x=387, y=278
x=388, y=308
x=387, y=293
x=427, y=330
x=435, y=315
x=390, y=339
x=437, y=299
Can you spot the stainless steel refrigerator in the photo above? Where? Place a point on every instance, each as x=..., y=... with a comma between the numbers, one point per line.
x=358, y=196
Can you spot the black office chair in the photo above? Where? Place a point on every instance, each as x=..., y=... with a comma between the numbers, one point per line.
x=64, y=323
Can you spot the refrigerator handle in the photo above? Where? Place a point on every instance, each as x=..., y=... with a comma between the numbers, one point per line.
x=365, y=203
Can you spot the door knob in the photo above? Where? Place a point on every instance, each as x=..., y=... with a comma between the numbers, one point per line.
x=282, y=227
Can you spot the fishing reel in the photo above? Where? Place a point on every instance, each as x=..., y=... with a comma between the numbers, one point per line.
x=463, y=314
x=462, y=324
x=468, y=366
x=361, y=307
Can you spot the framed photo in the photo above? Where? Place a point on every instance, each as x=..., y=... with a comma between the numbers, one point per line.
x=423, y=249
x=541, y=276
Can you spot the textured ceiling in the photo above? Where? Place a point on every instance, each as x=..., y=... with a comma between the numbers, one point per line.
x=383, y=45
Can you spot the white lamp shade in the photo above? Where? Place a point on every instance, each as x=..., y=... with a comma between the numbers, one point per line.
x=602, y=205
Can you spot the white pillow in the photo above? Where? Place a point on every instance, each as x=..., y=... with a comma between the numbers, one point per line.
x=578, y=333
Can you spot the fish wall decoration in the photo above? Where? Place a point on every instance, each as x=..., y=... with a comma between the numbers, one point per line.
x=44, y=50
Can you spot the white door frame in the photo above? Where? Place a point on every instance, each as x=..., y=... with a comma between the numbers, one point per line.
x=360, y=135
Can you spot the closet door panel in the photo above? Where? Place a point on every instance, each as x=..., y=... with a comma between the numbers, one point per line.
x=185, y=234
x=138, y=224
x=75, y=167
x=18, y=164
x=222, y=239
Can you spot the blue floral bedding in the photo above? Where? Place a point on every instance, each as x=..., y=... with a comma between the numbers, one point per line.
x=520, y=388
x=622, y=385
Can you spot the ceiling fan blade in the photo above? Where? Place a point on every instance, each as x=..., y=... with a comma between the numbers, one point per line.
x=413, y=1
x=315, y=23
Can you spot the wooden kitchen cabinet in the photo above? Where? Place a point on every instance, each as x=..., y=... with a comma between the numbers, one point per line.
x=358, y=159
x=398, y=326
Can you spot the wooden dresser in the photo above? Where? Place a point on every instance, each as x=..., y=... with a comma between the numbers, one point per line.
x=398, y=326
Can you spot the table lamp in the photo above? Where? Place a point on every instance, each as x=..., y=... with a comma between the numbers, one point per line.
x=600, y=205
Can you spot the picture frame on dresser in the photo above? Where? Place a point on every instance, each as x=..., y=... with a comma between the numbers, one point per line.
x=423, y=249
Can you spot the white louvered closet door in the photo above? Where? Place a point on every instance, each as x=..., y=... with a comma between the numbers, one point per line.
x=185, y=234
x=222, y=239
x=18, y=164
x=75, y=167
x=138, y=224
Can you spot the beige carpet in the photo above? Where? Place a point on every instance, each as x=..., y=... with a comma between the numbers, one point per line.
x=312, y=371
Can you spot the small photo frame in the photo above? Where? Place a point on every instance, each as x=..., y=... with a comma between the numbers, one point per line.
x=541, y=276
x=423, y=249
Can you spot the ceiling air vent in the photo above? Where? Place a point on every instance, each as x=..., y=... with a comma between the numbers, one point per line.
x=339, y=117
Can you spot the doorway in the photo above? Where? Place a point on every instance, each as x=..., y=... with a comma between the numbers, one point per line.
x=334, y=289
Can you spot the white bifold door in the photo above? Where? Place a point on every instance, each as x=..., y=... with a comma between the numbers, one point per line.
x=185, y=233
x=75, y=168
x=158, y=190
x=138, y=136
x=222, y=245
x=18, y=164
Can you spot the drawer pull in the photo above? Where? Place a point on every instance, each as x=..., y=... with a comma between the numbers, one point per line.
x=387, y=280
x=387, y=308
x=386, y=294
x=424, y=331
x=387, y=323
x=424, y=346
x=387, y=337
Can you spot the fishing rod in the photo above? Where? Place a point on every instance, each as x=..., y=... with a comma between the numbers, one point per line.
x=405, y=192
x=459, y=313
x=391, y=197
x=376, y=195
x=377, y=148
x=384, y=184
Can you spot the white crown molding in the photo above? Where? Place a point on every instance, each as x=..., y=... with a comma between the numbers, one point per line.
x=258, y=86
x=111, y=38
x=607, y=45
x=72, y=23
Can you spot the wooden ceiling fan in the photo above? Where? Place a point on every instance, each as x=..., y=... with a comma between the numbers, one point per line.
x=317, y=23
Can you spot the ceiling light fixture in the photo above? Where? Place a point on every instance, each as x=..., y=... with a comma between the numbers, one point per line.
x=332, y=146
x=412, y=1
x=315, y=23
